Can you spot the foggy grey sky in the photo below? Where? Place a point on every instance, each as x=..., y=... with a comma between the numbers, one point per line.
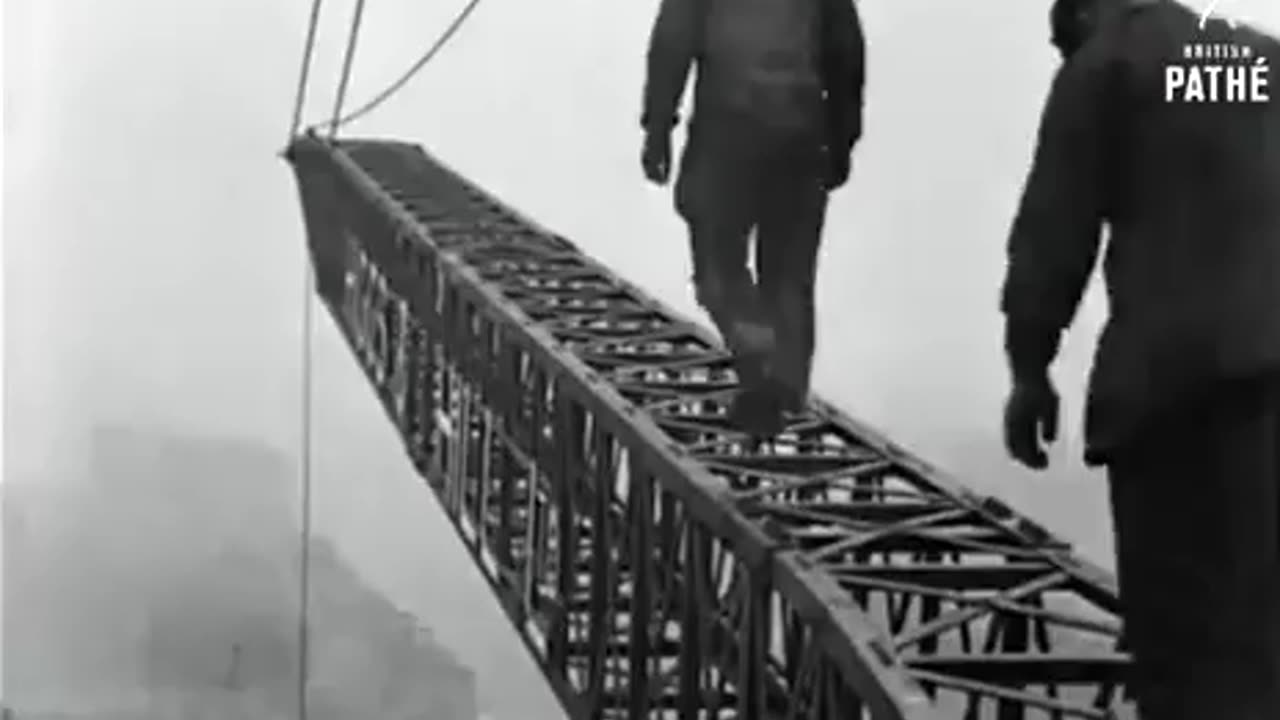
x=153, y=242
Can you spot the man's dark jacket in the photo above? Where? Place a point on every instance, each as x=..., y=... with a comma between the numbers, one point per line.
x=1191, y=194
x=676, y=42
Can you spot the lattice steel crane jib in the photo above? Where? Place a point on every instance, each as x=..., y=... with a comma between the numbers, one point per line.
x=655, y=562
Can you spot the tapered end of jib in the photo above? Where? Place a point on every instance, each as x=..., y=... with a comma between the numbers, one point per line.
x=301, y=143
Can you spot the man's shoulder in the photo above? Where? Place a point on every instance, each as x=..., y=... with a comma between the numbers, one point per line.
x=1135, y=38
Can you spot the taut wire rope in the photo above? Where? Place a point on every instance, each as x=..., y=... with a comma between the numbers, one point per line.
x=304, y=76
x=347, y=62
x=431, y=53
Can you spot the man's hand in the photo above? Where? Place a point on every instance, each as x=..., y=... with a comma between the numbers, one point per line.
x=838, y=164
x=1031, y=421
x=656, y=156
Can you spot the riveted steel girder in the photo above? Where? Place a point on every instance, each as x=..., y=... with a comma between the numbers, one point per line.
x=656, y=562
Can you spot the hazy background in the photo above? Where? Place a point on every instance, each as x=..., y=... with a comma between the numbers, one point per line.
x=153, y=270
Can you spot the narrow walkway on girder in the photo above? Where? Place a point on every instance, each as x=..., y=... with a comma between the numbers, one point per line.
x=574, y=430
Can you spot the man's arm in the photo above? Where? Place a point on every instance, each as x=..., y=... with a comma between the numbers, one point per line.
x=1055, y=238
x=673, y=44
x=844, y=71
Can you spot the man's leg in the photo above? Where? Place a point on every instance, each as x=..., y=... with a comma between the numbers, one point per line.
x=1196, y=505
x=725, y=289
x=716, y=194
x=790, y=234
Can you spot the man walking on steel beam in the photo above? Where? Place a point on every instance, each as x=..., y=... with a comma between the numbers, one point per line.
x=1168, y=132
x=777, y=111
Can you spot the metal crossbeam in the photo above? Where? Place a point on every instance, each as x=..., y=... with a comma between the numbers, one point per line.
x=656, y=562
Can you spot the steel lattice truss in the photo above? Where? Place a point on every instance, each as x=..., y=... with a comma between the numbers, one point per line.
x=656, y=562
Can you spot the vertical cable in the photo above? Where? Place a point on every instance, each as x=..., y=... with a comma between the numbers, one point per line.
x=304, y=574
x=347, y=62
x=305, y=385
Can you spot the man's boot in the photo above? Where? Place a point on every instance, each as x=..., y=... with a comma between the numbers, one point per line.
x=755, y=408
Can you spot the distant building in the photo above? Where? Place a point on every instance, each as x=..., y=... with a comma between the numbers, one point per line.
x=176, y=573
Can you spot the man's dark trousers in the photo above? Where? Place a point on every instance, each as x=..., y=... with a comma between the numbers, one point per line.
x=1196, y=504
x=736, y=178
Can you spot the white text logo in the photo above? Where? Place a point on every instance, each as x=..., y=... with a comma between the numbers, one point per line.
x=1218, y=70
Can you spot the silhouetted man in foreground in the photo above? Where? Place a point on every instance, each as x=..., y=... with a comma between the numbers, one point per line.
x=777, y=110
x=1184, y=399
